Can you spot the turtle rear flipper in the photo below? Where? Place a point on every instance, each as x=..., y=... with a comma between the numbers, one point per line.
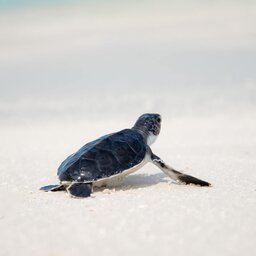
x=79, y=189
x=53, y=188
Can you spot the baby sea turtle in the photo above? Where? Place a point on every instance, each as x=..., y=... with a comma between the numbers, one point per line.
x=113, y=156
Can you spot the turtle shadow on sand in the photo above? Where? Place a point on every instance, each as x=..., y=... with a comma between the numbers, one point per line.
x=135, y=181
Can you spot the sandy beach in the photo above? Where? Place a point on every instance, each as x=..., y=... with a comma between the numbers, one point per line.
x=145, y=213
x=73, y=73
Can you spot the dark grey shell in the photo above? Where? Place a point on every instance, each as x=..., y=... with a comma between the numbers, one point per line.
x=107, y=156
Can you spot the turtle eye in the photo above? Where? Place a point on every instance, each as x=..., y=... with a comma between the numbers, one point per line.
x=158, y=120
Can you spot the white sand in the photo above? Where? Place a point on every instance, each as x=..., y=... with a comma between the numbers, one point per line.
x=70, y=75
x=146, y=214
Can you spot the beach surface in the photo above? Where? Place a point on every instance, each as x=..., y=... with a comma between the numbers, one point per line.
x=145, y=213
x=71, y=74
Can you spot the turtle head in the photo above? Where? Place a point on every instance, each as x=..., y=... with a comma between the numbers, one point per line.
x=149, y=126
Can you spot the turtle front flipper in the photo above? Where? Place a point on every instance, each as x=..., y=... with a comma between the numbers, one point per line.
x=175, y=175
x=53, y=188
x=80, y=189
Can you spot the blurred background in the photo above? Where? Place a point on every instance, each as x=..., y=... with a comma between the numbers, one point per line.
x=67, y=60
